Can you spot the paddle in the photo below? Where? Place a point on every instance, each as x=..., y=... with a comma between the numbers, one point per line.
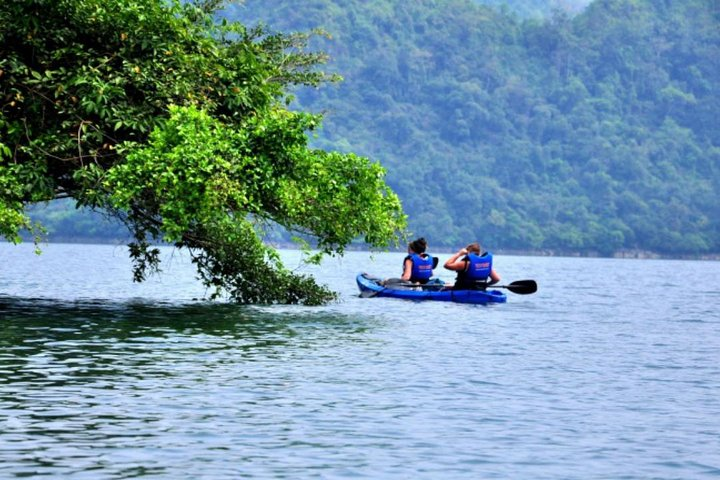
x=396, y=282
x=521, y=287
x=369, y=293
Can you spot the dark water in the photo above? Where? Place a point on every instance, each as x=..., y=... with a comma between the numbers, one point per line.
x=610, y=371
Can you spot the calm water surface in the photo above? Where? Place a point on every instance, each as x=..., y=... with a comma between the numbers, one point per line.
x=610, y=371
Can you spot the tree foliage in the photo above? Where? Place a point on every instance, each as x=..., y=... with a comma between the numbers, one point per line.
x=178, y=125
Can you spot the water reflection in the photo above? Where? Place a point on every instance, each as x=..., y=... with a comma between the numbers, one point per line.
x=128, y=319
x=61, y=342
x=130, y=388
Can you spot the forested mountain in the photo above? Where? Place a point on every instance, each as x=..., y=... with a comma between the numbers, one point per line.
x=590, y=130
x=594, y=132
x=65, y=223
x=537, y=8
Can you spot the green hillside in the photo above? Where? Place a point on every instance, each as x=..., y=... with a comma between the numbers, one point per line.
x=592, y=130
x=64, y=223
x=586, y=133
x=537, y=8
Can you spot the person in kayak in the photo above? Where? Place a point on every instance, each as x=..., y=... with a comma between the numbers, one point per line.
x=474, y=269
x=417, y=265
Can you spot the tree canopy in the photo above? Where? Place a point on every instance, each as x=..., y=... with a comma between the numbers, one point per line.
x=178, y=125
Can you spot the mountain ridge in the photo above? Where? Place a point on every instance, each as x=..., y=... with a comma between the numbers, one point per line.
x=589, y=131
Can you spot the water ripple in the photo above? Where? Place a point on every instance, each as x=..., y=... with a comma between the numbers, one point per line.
x=579, y=381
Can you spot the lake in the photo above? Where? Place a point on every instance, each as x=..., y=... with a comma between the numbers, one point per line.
x=610, y=371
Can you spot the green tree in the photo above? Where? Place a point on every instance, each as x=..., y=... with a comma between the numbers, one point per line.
x=179, y=126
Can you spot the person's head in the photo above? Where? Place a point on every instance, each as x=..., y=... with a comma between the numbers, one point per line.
x=418, y=246
x=474, y=248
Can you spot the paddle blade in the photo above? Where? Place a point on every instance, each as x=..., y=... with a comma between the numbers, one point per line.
x=522, y=287
x=368, y=293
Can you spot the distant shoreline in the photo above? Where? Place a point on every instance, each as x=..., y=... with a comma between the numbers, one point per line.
x=622, y=254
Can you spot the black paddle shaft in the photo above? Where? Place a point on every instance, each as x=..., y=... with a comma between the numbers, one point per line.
x=521, y=287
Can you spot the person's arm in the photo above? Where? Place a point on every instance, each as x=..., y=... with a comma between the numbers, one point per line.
x=407, y=270
x=455, y=262
x=494, y=277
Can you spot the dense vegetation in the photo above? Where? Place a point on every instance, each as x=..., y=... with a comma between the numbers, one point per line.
x=585, y=133
x=536, y=8
x=588, y=133
x=177, y=125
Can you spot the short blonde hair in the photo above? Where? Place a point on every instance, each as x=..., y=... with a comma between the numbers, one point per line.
x=474, y=248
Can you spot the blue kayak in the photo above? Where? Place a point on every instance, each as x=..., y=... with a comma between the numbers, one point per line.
x=372, y=287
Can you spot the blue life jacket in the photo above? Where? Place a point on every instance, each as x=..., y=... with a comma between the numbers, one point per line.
x=422, y=267
x=479, y=266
